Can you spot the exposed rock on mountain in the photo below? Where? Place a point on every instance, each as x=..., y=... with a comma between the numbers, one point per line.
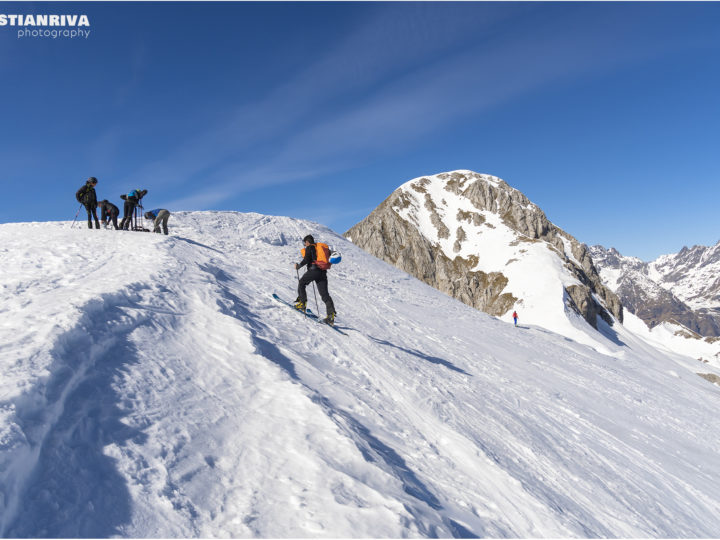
x=682, y=288
x=693, y=275
x=479, y=240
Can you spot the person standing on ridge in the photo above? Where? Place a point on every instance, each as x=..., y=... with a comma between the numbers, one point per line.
x=316, y=258
x=515, y=317
x=86, y=195
x=131, y=201
x=108, y=212
x=159, y=216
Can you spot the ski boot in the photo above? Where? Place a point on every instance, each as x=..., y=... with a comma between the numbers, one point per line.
x=300, y=305
x=330, y=319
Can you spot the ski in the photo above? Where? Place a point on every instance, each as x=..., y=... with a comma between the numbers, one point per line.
x=308, y=313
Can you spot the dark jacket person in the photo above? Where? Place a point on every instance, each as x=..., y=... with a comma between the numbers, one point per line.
x=86, y=195
x=108, y=212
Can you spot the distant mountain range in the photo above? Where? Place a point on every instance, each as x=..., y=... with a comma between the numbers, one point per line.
x=680, y=288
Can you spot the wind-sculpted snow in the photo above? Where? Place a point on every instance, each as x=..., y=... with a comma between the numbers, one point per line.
x=153, y=388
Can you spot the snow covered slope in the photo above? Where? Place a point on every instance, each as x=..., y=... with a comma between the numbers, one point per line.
x=152, y=388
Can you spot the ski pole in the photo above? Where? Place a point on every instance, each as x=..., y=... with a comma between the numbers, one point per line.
x=76, y=215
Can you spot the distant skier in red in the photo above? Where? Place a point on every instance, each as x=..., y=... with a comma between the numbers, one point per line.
x=515, y=317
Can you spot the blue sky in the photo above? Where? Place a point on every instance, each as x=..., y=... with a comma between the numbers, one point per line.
x=606, y=115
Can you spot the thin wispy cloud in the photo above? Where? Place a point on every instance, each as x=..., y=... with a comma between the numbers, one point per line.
x=254, y=105
x=404, y=109
x=219, y=188
x=367, y=57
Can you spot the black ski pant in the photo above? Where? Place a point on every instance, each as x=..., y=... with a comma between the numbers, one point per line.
x=128, y=212
x=92, y=213
x=319, y=277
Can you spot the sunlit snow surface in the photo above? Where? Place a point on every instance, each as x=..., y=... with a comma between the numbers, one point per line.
x=151, y=387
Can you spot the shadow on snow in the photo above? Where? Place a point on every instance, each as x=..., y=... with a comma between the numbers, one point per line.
x=74, y=490
x=422, y=356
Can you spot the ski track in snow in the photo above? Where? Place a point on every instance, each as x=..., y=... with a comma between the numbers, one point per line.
x=153, y=388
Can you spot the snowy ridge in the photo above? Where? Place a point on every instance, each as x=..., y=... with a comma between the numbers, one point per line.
x=432, y=197
x=152, y=388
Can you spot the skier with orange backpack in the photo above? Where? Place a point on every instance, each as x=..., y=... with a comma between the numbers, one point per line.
x=317, y=259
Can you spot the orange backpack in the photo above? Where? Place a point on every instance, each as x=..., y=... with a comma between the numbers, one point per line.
x=322, y=252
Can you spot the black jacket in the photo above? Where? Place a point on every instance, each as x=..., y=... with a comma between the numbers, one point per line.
x=86, y=195
x=310, y=256
x=108, y=210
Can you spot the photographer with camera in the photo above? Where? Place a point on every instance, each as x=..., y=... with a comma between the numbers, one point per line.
x=132, y=199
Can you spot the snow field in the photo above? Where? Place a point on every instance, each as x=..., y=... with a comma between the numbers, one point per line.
x=175, y=398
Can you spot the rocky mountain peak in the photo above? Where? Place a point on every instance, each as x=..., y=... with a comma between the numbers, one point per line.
x=478, y=239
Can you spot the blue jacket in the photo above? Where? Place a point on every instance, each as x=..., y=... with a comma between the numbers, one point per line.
x=137, y=194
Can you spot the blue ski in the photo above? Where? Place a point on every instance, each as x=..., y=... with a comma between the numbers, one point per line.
x=308, y=313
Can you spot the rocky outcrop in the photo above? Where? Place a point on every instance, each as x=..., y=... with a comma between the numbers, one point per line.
x=521, y=215
x=710, y=377
x=390, y=238
x=386, y=234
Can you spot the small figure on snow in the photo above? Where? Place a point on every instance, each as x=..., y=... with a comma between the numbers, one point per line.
x=108, y=212
x=86, y=195
x=316, y=257
x=515, y=317
x=160, y=217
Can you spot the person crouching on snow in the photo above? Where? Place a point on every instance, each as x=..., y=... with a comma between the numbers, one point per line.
x=160, y=217
x=108, y=212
